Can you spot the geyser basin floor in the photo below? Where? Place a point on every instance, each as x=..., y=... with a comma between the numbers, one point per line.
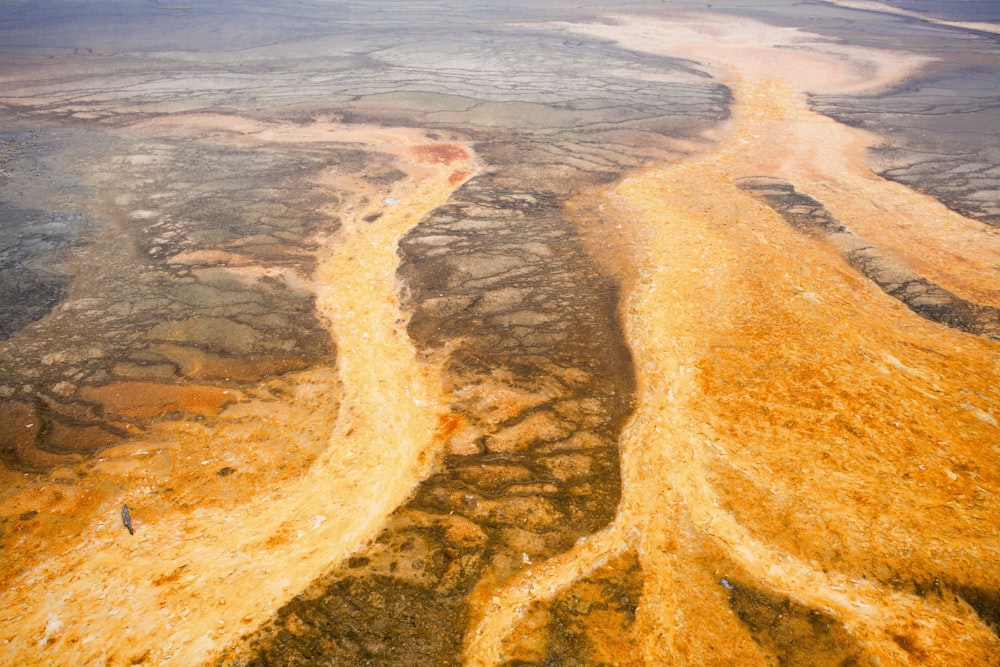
x=424, y=339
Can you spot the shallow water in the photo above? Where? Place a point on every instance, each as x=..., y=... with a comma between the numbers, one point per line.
x=443, y=334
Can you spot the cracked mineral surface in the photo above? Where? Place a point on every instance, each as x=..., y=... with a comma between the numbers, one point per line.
x=480, y=334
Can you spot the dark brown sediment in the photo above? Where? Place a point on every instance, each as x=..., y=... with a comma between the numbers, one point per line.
x=985, y=601
x=793, y=633
x=591, y=622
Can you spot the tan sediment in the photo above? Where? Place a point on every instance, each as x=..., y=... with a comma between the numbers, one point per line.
x=790, y=416
x=190, y=582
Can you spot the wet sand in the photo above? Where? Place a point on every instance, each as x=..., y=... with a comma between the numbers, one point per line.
x=501, y=364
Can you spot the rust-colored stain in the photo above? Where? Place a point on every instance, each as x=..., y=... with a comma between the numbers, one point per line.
x=447, y=425
x=457, y=177
x=440, y=154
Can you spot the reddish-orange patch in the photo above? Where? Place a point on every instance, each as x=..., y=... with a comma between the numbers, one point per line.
x=440, y=153
x=457, y=177
x=447, y=424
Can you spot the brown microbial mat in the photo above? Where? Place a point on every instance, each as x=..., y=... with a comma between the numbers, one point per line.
x=500, y=334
